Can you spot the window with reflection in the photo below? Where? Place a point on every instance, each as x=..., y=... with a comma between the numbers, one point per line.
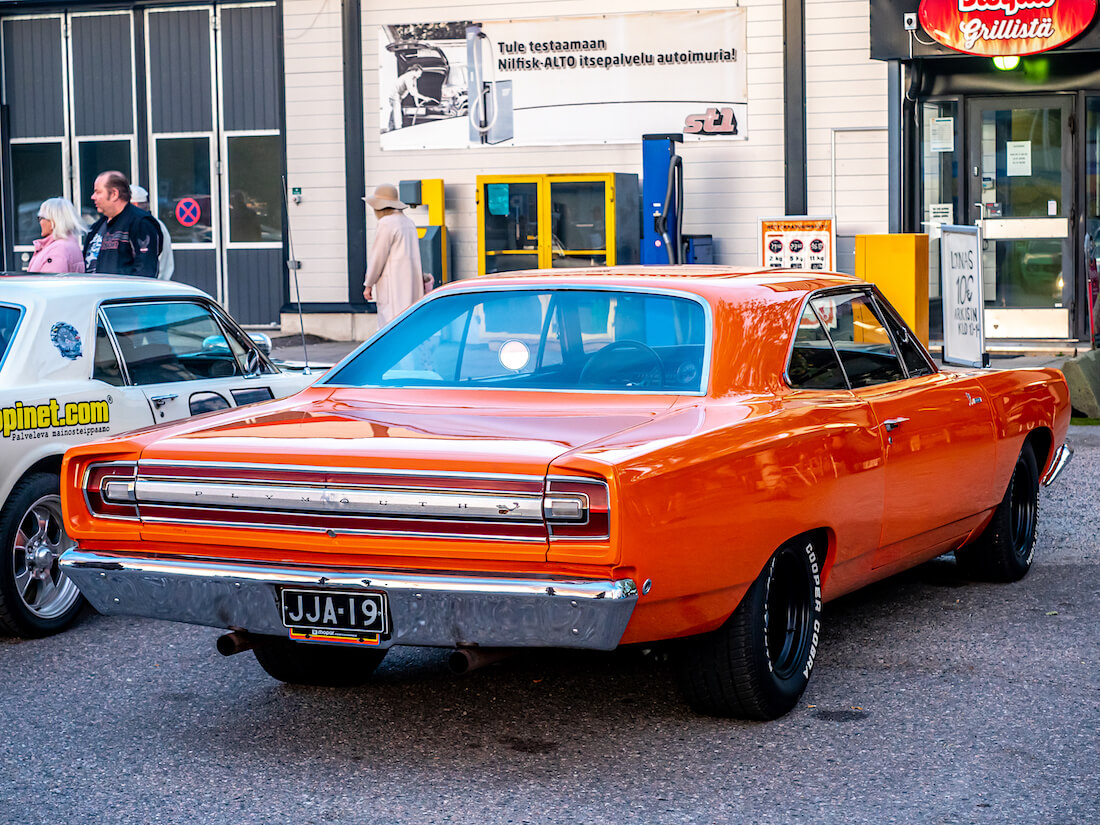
x=105, y=366
x=255, y=194
x=511, y=226
x=96, y=157
x=940, y=199
x=173, y=341
x=814, y=364
x=183, y=189
x=860, y=337
x=540, y=340
x=9, y=321
x=35, y=176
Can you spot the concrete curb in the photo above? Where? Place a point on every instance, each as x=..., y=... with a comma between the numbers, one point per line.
x=1083, y=376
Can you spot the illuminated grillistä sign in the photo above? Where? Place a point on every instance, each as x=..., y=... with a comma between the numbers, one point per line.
x=1005, y=27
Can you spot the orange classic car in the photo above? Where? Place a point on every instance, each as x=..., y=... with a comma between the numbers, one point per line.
x=580, y=459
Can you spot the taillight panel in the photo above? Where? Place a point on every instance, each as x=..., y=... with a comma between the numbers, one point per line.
x=577, y=508
x=108, y=489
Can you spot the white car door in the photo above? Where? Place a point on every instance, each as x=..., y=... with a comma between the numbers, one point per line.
x=185, y=361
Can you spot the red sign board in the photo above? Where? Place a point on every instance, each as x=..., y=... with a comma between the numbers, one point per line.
x=1005, y=27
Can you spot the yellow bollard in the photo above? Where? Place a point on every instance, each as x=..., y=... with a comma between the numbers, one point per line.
x=898, y=265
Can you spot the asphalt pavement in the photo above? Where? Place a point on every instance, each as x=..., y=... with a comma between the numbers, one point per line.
x=934, y=700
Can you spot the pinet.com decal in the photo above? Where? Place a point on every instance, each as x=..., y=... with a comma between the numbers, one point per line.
x=54, y=418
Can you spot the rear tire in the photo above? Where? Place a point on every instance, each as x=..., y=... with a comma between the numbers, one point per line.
x=298, y=663
x=36, y=598
x=758, y=663
x=1006, y=548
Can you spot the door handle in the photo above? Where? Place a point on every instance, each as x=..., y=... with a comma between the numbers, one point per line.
x=892, y=424
x=160, y=400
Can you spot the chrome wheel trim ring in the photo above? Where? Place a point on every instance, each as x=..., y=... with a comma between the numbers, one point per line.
x=40, y=539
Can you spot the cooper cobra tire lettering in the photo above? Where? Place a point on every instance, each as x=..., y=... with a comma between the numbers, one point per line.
x=757, y=664
x=815, y=568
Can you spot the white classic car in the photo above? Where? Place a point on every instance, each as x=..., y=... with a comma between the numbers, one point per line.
x=83, y=358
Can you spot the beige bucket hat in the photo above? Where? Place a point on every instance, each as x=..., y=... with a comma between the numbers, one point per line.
x=385, y=196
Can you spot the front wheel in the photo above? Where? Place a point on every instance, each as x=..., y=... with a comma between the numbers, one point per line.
x=298, y=663
x=36, y=598
x=1006, y=548
x=758, y=663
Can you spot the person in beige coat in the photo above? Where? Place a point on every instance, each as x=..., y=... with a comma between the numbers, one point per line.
x=395, y=277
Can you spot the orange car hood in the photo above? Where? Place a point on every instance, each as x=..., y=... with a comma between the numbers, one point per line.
x=522, y=437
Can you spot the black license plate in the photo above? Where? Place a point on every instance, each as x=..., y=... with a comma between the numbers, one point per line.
x=335, y=615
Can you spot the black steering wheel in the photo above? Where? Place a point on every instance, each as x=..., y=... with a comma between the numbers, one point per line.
x=623, y=364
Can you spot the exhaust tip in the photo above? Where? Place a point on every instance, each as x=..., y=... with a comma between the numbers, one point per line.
x=466, y=659
x=234, y=642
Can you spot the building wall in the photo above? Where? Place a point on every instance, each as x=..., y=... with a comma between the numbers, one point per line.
x=728, y=185
x=846, y=102
x=312, y=48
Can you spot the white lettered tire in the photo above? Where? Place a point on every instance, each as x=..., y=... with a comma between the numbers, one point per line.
x=757, y=664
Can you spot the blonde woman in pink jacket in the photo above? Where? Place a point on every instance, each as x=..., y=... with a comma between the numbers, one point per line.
x=59, y=248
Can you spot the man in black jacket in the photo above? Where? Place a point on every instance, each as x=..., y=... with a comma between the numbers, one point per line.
x=126, y=240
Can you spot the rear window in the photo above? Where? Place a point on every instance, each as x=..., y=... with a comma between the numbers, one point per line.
x=9, y=320
x=571, y=340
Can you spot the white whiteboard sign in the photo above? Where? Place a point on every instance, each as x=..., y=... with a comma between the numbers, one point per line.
x=963, y=302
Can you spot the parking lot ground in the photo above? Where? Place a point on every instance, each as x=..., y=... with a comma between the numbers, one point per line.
x=934, y=700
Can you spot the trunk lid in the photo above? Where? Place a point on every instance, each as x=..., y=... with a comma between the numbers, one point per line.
x=392, y=478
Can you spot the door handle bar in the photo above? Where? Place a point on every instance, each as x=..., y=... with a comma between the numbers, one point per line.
x=893, y=423
x=160, y=400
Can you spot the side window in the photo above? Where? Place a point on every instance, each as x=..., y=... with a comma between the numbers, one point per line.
x=172, y=341
x=911, y=351
x=861, y=339
x=814, y=365
x=9, y=320
x=106, y=367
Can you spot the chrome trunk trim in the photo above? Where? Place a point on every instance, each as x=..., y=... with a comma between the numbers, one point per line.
x=383, y=502
x=444, y=610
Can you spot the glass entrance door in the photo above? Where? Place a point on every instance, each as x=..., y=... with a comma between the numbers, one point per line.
x=216, y=151
x=1019, y=163
x=63, y=130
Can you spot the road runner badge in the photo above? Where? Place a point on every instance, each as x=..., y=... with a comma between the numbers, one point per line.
x=66, y=339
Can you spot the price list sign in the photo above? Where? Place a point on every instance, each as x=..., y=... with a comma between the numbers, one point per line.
x=963, y=303
x=797, y=243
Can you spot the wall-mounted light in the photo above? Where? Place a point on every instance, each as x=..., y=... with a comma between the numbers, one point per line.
x=1006, y=62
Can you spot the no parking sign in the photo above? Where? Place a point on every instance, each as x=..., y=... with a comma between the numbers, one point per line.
x=188, y=212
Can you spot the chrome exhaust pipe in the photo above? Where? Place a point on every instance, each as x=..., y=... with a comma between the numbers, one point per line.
x=235, y=642
x=466, y=659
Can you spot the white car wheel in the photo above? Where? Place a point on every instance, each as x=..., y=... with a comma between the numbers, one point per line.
x=36, y=599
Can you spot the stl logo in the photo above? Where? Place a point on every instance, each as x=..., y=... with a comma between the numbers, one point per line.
x=712, y=122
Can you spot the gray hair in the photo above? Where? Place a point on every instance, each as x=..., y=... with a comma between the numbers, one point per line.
x=66, y=220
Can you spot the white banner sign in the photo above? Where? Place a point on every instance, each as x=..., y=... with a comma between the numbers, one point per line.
x=563, y=80
x=961, y=289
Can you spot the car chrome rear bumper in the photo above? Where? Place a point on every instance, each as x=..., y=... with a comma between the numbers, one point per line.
x=1061, y=458
x=424, y=609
